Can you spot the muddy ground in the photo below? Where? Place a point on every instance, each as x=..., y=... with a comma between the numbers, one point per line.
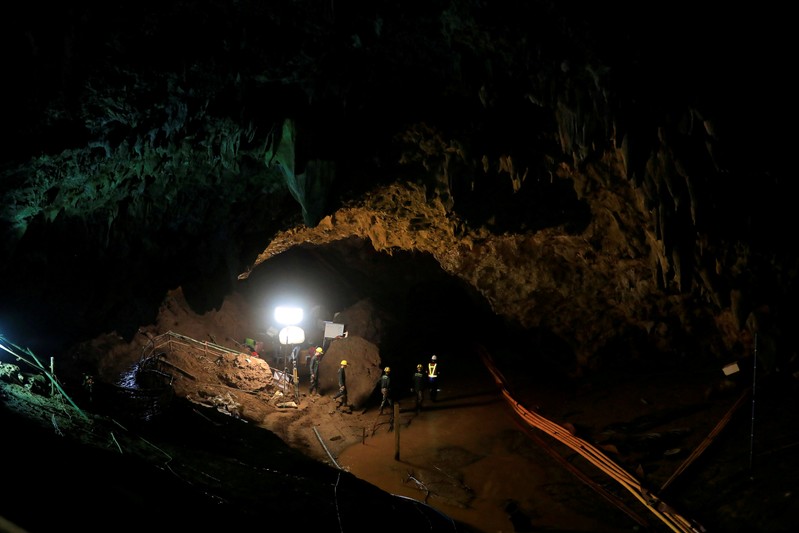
x=721, y=456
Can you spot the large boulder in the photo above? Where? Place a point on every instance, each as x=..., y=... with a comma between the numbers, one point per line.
x=362, y=319
x=363, y=368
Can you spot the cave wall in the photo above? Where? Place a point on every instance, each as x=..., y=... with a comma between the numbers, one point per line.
x=601, y=173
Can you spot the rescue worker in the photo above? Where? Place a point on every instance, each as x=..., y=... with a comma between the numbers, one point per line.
x=314, y=370
x=432, y=377
x=342, y=384
x=385, y=388
x=309, y=354
x=88, y=386
x=418, y=387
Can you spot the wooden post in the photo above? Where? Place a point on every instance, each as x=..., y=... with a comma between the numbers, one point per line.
x=396, y=431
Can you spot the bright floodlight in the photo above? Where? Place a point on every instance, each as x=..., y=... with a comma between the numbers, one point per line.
x=291, y=335
x=288, y=315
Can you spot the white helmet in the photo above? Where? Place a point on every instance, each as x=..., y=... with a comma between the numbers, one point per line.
x=434, y=358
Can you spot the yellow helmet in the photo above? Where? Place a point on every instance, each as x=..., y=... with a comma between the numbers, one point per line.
x=387, y=370
x=419, y=368
x=319, y=350
x=344, y=363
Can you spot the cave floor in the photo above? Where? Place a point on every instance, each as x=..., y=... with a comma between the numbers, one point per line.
x=467, y=455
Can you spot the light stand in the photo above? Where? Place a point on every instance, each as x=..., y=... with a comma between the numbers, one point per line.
x=752, y=430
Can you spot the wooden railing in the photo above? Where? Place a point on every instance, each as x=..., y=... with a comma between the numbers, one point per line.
x=170, y=339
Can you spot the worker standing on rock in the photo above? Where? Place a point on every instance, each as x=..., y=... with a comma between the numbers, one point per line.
x=385, y=388
x=314, y=370
x=342, y=384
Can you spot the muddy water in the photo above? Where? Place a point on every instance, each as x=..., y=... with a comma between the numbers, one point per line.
x=469, y=457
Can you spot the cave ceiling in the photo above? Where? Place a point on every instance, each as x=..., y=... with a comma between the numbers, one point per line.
x=601, y=174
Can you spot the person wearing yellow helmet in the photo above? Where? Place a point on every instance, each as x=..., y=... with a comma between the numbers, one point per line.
x=313, y=368
x=385, y=388
x=432, y=377
x=342, y=384
x=312, y=350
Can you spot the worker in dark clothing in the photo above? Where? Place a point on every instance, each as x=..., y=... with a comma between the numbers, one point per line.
x=432, y=378
x=314, y=370
x=342, y=384
x=385, y=388
x=418, y=387
x=88, y=386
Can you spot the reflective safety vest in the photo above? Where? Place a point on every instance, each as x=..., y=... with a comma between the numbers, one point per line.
x=431, y=370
